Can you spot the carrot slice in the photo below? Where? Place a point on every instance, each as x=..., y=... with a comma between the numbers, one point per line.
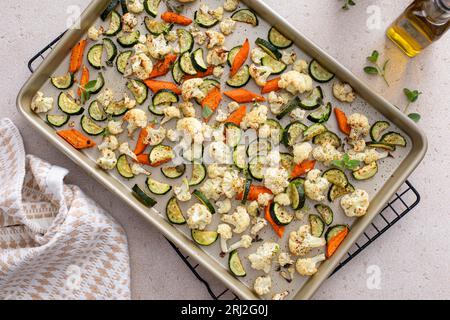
x=84, y=80
x=172, y=17
x=342, y=121
x=76, y=58
x=244, y=96
x=162, y=67
x=143, y=159
x=76, y=139
x=237, y=116
x=240, y=58
x=200, y=74
x=140, y=144
x=156, y=86
x=335, y=242
x=302, y=168
x=211, y=103
x=254, y=193
x=271, y=85
x=279, y=230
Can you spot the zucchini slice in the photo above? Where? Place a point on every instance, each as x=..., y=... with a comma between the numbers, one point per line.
x=111, y=51
x=95, y=55
x=296, y=192
x=277, y=39
x=198, y=174
x=241, y=78
x=259, y=147
x=198, y=61
x=269, y=48
x=280, y=215
x=174, y=213
x=313, y=100
x=328, y=137
x=336, y=192
x=205, y=20
x=247, y=186
x=276, y=66
x=201, y=197
x=240, y=157
x=162, y=99
x=115, y=24
x=317, y=225
x=287, y=161
x=90, y=127
x=293, y=133
x=235, y=265
x=57, y=120
x=174, y=172
x=63, y=82
x=379, y=145
x=393, y=139
x=377, y=129
x=246, y=16
x=336, y=176
x=111, y=6
x=204, y=238
x=325, y=213
x=186, y=64
x=68, y=105
x=322, y=115
x=139, y=90
x=161, y=154
x=128, y=40
x=334, y=231
x=274, y=124
x=152, y=7
x=232, y=54
x=96, y=112
x=256, y=168
x=123, y=167
x=122, y=60
x=366, y=172
x=233, y=134
x=185, y=40
x=116, y=109
x=157, y=187
x=177, y=73
x=293, y=104
x=156, y=27
x=319, y=73
x=143, y=197
x=314, y=131
x=99, y=84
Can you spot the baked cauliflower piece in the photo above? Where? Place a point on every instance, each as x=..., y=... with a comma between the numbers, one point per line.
x=225, y=234
x=212, y=189
x=107, y=159
x=302, y=152
x=155, y=135
x=301, y=66
x=231, y=5
x=227, y=26
x=277, y=102
x=262, y=258
x=135, y=6
x=109, y=142
x=223, y=206
x=368, y=156
x=343, y=92
x=326, y=153
x=220, y=152
x=295, y=82
x=198, y=217
x=140, y=66
x=240, y=219
x=217, y=56
x=41, y=104
x=158, y=47
x=308, y=266
x=136, y=118
x=191, y=128
x=191, y=89
x=316, y=186
x=263, y=285
x=360, y=127
x=356, y=203
x=125, y=149
x=129, y=22
x=232, y=183
x=301, y=242
x=245, y=243
x=115, y=127
x=255, y=118
x=137, y=169
x=257, y=54
x=276, y=180
x=182, y=192
x=214, y=38
x=289, y=57
x=260, y=74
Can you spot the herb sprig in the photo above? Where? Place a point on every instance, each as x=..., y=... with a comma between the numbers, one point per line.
x=412, y=96
x=375, y=68
x=346, y=163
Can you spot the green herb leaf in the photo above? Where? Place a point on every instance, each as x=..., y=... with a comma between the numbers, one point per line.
x=374, y=57
x=414, y=117
x=371, y=70
x=352, y=164
x=338, y=163
x=411, y=95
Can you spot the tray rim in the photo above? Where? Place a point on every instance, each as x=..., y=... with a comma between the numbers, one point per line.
x=416, y=154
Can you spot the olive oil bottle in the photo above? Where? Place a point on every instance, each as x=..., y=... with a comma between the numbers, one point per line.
x=422, y=23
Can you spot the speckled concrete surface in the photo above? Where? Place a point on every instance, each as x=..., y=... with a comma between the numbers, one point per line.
x=412, y=257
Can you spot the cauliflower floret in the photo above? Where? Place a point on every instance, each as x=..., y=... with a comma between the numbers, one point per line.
x=297, y=114
x=216, y=171
x=170, y=113
x=187, y=108
x=273, y=158
x=343, y=92
x=360, y=127
x=257, y=54
x=192, y=128
x=326, y=153
x=253, y=208
x=227, y=26
x=260, y=74
x=222, y=115
x=141, y=47
x=260, y=223
x=137, y=169
x=124, y=148
x=218, y=72
x=106, y=97
x=155, y=135
x=301, y=66
x=191, y=89
x=173, y=135
x=109, y=142
x=41, y=104
x=158, y=46
x=316, y=185
x=295, y=82
x=171, y=36
x=94, y=34
x=276, y=179
x=277, y=102
x=231, y=5
x=136, y=118
x=115, y=127
x=127, y=102
x=129, y=22
x=107, y=160
x=255, y=118
x=368, y=156
x=245, y=242
x=217, y=13
x=199, y=36
x=198, y=217
x=214, y=38
x=182, y=192
x=232, y=183
x=139, y=65
x=282, y=199
x=263, y=285
x=308, y=266
x=281, y=295
x=356, y=203
x=212, y=189
x=284, y=259
x=218, y=133
x=289, y=57
x=302, y=152
x=220, y=152
x=264, y=199
x=262, y=258
x=301, y=242
x=223, y=206
x=135, y=6
x=225, y=234
x=240, y=219
x=233, y=106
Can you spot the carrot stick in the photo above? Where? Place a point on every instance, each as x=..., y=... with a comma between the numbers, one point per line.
x=76, y=58
x=342, y=121
x=84, y=80
x=204, y=74
x=244, y=96
x=162, y=67
x=302, y=168
x=172, y=17
x=76, y=139
x=211, y=103
x=253, y=193
x=156, y=86
x=271, y=85
x=335, y=242
x=143, y=159
x=237, y=116
x=140, y=144
x=240, y=58
x=279, y=230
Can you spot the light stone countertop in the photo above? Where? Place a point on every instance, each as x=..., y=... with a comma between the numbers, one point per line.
x=413, y=256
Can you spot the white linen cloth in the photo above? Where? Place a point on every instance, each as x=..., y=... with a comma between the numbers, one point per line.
x=55, y=242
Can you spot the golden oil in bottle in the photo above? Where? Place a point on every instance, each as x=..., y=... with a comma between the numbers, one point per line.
x=422, y=23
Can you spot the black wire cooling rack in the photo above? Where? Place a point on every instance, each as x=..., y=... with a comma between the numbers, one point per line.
x=404, y=200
